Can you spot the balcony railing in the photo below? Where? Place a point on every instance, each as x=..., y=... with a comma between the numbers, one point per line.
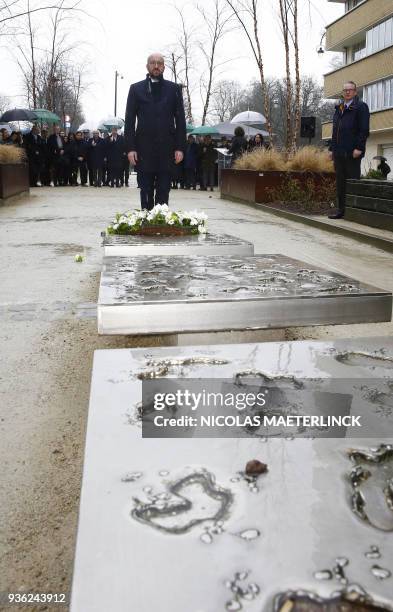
x=356, y=21
x=382, y=120
x=372, y=68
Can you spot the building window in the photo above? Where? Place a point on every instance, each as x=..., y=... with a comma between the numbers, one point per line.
x=350, y=4
x=380, y=36
x=379, y=95
x=358, y=51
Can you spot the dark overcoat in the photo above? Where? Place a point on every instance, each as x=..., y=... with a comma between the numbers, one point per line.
x=115, y=151
x=351, y=127
x=155, y=127
x=96, y=153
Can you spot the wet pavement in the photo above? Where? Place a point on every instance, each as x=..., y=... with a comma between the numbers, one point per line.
x=48, y=333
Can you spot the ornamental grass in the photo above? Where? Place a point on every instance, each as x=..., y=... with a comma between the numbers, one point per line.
x=306, y=159
x=310, y=159
x=261, y=159
x=9, y=154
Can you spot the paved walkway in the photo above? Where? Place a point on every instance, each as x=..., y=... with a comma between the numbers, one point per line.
x=48, y=335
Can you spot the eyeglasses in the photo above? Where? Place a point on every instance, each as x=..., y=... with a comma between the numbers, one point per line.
x=348, y=90
x=156, y=63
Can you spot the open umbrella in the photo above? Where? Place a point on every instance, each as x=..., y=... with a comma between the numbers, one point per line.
x=18, y=114
x=380, y=157
x=205, y=130
x=88, y=125
x=189, y=128
x=249, y=118
x=45, y=116
x=110, y=122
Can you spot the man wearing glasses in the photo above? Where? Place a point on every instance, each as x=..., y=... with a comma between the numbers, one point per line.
x=351, y=127
x=155, y=132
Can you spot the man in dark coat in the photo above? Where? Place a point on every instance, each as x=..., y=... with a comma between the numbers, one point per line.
x=191, y=162
x=351, y=127
x=96, y=153
x=56, y=151
x=115, y=154
x=158, y=141
x=33, y=145
x=79, y=156
x=208, y=155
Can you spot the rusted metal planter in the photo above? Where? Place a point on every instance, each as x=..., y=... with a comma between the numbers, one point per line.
x=256, y=186
x=14, y=180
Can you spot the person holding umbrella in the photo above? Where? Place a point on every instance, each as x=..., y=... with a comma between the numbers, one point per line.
x=383, y=167
x=155, y=131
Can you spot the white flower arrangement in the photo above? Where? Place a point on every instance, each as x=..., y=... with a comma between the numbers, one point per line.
x=132, y=222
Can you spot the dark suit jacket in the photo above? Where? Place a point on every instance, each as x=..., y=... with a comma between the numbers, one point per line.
x=155, y=126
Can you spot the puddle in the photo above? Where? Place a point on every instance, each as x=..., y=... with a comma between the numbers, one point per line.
x=242, y=592
x=185, y=503
x=365, y=360
x=371, y=481
x=163, y=367
x=353, y=598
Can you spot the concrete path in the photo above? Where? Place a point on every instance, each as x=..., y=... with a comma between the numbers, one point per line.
x=48, y=335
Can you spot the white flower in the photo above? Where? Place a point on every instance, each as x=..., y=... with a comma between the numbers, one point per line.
x=171, y=222
x=202, y=229
x=115, y=226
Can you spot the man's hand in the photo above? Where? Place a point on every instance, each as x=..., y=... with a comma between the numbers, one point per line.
x=331, y=155
x=133, y=157
x=179, y=157
x=357, y=153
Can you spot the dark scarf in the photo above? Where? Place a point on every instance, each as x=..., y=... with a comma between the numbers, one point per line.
x=155, y=87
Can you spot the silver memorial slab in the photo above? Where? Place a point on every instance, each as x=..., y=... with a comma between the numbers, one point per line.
x=154, y=295
x=200, y=244
x=287, y=535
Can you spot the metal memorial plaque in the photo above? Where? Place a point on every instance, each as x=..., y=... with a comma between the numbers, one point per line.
x=158, y=295
x=200, y=244
x=177, y=525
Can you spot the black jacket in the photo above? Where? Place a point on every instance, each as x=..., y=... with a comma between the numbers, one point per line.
x=115, y=151
x=34, y=148
x=155, y=125
x=96, y=153
x=53, y=146
x=351, y=127
x=238, y=147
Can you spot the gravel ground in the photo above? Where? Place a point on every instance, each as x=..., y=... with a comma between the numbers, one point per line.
x=48, y=335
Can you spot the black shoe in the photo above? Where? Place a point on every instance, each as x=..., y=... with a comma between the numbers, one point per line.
x=337, y=215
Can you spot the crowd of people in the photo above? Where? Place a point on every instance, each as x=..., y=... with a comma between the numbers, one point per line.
x=79, y=158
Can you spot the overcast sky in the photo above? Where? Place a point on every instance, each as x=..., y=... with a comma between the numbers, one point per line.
x=119, y=34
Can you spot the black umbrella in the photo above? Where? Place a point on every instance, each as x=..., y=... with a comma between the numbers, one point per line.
x=18, y=114
x=381, y=157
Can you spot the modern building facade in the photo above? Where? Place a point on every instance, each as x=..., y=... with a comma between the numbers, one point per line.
x=364, y=35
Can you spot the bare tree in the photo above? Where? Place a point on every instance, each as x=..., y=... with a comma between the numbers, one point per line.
x=216, y=26
x=4, y=103
x=185, y=44
x=288, y=11
x=226, y=98
x=52, y=79
x=246, y=13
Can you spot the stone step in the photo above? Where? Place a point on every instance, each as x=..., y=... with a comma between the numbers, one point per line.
x=367, y=203
x=371, y=189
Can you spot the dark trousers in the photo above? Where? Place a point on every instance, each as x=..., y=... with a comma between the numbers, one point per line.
x=82, y=167
x=209, y=176
x=95, y=176
x=155, y=187
x=346, y=168
x=34, y=171
x=115, y=174
x=190, y=177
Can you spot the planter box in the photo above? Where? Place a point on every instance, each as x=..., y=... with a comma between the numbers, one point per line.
x=370, y=202
x=254, y=186
x=14, y=180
